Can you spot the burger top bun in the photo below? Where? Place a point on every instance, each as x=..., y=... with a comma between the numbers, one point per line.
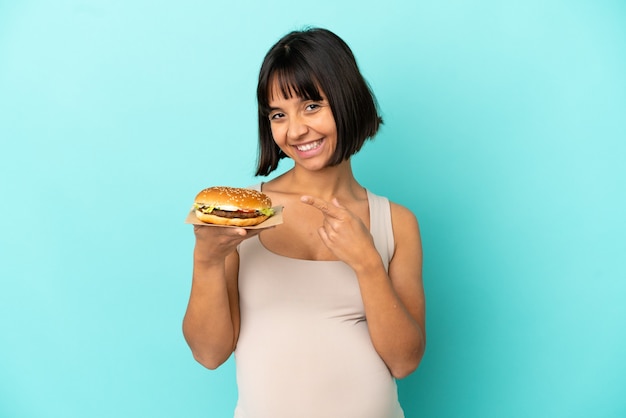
x=241, y=199
x=225, y=202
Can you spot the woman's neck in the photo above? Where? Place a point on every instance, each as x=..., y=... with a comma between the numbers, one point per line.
x=337, y=181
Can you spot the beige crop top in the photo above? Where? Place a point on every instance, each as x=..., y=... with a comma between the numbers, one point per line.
x=304, y=349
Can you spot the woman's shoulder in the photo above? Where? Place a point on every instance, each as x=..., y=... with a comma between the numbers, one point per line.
x=401, y=211
x=403, y=220
x=271, y=185
x=398, y=212
x=256, y=186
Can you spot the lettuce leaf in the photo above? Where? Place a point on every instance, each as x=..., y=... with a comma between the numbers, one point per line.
x=267, y=212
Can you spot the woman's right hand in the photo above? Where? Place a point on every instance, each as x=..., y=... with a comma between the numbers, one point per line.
x=213, y=243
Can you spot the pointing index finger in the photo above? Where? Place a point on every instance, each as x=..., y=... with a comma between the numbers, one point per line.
x=322, y=205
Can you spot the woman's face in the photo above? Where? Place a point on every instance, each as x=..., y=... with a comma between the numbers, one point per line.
x=304, y=130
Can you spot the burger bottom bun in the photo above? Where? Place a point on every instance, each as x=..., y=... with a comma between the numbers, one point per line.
x=219, y=220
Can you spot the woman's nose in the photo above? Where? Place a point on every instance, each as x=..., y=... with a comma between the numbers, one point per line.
x=297, y=128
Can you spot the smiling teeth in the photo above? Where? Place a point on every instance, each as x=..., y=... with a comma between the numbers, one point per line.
x=309, y=146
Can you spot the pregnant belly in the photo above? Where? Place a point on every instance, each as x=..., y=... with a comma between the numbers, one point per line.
x=323, y=370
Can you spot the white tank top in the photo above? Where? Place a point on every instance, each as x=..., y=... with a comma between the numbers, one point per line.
x=304, y=350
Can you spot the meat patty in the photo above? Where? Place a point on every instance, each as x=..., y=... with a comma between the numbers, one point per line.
x=235, y=213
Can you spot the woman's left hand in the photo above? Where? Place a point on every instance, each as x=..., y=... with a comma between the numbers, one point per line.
x=343, y=232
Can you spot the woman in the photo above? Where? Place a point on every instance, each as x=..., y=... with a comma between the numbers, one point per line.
x=324, y=311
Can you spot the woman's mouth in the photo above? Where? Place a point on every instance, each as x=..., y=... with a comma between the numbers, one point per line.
x=309, y=146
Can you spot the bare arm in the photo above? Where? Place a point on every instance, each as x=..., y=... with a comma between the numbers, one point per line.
x=211, y=322
x=394, y=301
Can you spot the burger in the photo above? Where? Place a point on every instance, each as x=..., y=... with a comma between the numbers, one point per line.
x=233, y=206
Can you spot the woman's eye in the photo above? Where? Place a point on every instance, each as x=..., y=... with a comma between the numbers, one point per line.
x=312, y=106
x=276, y=116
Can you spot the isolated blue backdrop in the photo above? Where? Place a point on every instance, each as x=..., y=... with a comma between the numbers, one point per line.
x=505, y=133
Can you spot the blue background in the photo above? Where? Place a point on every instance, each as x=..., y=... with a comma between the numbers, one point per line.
x=505, y=132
